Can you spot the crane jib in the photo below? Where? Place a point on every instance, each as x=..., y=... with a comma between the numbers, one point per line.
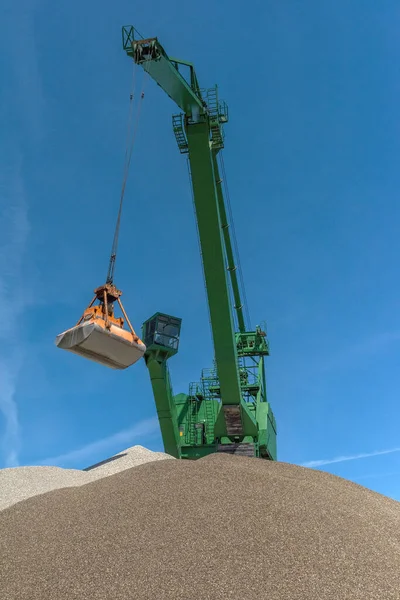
x=152, y=57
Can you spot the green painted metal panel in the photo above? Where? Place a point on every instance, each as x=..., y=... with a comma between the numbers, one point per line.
x=165, y=406
x=152, y=57
x=173, y=83
x=267, y=431
x=213, y=255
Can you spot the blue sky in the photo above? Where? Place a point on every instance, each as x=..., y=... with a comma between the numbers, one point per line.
x=312, y=153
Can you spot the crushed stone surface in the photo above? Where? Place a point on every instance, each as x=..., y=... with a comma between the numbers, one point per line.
x=20, y=483
x=221, y=527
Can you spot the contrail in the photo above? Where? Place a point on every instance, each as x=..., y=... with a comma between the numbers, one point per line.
x=338, y=459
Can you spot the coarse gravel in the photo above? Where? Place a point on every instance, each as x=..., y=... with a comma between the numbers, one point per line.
x=222, y=527
x=20, y=483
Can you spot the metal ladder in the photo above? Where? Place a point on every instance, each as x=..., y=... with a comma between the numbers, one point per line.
x=190, y=434
x=209, y=418
x=179, y=131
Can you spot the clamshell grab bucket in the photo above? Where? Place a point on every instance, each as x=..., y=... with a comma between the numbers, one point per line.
x=107, y=347
x=100, y=337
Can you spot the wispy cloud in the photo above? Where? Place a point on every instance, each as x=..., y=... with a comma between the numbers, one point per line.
x=24, y=92
x=21, y=120
x=96, y=450
x=339, y=459
x=14, y=231
x=9, y=410
x=374, y=343
x=359, y=350
x=379, y=474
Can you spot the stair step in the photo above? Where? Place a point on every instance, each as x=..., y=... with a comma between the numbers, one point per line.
x=233, y=419
x=237, y=449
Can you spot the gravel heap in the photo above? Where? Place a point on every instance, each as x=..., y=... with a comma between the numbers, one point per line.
x=223, y=527
x=20, y=483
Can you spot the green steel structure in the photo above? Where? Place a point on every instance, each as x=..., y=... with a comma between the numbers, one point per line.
x=227, y=411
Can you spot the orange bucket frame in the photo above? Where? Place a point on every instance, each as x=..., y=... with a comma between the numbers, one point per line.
x=107, y=295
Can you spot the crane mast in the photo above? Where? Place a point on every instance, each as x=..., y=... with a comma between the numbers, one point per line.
x=227, y=411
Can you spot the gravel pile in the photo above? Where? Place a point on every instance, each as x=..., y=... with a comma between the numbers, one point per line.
x=223, y=527
x=131, y=457
x=20, y=483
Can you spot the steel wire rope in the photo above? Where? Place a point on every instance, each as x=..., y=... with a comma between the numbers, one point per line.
x=235, y=244
x=131, y=136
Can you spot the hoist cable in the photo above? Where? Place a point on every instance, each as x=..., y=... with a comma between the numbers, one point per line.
x=131, y=135
x=236, y=249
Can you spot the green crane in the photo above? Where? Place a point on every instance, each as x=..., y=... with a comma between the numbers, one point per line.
x=227, y=411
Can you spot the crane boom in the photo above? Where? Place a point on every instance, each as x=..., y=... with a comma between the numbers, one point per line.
x=165, y=71
x=213, y=254
x=225, y=410
x=152, y=57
